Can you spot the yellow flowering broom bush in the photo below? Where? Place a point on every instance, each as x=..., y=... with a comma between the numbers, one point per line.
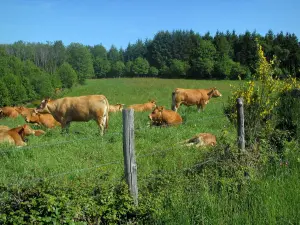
x=260, y=97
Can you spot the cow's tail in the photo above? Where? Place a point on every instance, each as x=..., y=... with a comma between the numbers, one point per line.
x=173, y=107
x=107, y=114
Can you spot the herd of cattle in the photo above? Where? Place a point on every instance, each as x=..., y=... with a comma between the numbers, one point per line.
x=61, y=112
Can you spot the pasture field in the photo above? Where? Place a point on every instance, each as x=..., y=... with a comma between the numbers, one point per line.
x=82, y=149
x=82, y=158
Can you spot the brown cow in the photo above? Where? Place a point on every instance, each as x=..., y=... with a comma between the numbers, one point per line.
x=116, y=108
x=23, y=111
x=27, y=130
x=45, y=119
x=82, y=108
x=188, y=97
x=164, y=117
x=15, y=136
x=148, y=106
x=8, y=111
x=202, y=139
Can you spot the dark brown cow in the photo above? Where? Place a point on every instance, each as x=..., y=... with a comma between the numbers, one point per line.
x=8, y=111
x=188, y=97
x=82, y=108
x=148, y=106
x=164, y=117
x=202, y=139
x=116, y=108
x=45, y=119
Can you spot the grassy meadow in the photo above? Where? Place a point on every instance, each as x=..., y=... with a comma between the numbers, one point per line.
x=167, y=182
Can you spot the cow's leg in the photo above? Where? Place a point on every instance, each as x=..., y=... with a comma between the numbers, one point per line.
x=101, y=121
x=199, y=107
x=176, y=106
x=65, y=125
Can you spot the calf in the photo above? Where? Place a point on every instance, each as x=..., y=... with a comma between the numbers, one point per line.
x=46, y=119
x=164, y=117
x=82, y=108
x=148, y=106
x=8, y=111
x=116, y=108
x=202, y=139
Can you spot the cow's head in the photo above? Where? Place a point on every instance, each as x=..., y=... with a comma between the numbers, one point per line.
x=42, y=108
x=215, y=92
x=120, y=106
x=27, y=130
x=156, y=113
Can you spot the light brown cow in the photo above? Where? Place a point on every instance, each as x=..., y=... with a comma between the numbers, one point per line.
x=27, y=130
x=202, y=139
x=8, y=111
x=14, y=136
x=45, y=119
x=188, y=97
x=82, y=108
x=148, y=106
x=23, y=111
x=116, y=108
x=164, y=117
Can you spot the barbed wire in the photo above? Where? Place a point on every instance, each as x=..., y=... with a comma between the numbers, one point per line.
x=37, y=179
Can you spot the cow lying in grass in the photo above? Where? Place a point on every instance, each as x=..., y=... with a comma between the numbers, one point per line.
x=16, y=136
x=164, y=117
x=148, y=106
x=82, y=108
x=200, y=140
x=8, y=111
x=46, y=119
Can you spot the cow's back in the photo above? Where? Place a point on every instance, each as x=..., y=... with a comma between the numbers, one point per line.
x=82, y=108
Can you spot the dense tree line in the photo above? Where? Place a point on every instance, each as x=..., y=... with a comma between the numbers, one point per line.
x=34, y=70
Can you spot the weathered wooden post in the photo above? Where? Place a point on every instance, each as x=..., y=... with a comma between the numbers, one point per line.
x=130, y=166
x=240, y=123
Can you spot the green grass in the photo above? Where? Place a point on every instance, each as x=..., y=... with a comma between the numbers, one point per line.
x=83, y=156
x=55, y=153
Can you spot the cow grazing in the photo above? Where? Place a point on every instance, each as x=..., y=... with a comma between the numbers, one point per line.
x=148, y=106
x=23, y=111
x=45, y=119
x=116, y=108
x=8, y=111
x=14, y=136
x=82, y=108
x=164, y=117
x=188, y=97
x=202, y=139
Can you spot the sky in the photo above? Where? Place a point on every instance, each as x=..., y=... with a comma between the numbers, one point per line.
x=119, y=22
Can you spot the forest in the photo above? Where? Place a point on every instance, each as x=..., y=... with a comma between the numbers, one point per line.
x=30, y=71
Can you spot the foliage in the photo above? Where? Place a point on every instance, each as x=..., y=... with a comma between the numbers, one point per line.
x=102, y=67
x=153, y=71
x=179, y=68
x=67, y=75
x=260, y=96
x=117, y=69
x=5, y=99
x=80, y=58
x=16, y=90
x=140, y=66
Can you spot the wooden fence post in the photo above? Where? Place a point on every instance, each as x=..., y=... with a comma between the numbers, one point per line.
x=240, y=123
x=130, y=166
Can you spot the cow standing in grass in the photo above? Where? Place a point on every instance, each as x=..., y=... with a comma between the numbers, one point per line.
x=188, y=97
x=82, y=108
